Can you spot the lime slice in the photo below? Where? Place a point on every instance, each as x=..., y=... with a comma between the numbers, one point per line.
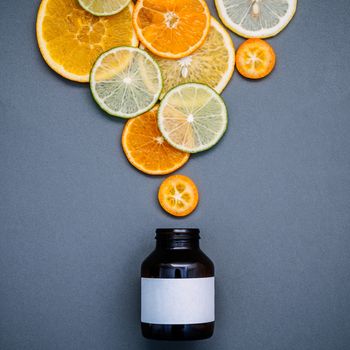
x=212, y=64
x=192, y=117
x=256, y=18
x=103, y=7
x=125, y=82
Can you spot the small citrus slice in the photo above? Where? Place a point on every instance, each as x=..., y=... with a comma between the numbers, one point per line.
x=256, y=18
x=192, y=117
x=212, y=64
x=255, y=59
x=125, y=82
x=103, y=7
x=70, y=39
x=178, y=195
x=146, y=149
x=171, y=28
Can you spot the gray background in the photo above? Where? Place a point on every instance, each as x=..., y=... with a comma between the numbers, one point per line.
x=77, y=219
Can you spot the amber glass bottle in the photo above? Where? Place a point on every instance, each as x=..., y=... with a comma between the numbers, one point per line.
x=177, y=288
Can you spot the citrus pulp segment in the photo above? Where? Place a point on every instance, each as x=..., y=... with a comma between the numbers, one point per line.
x=171, y=28
x=178, y=195
x=103, y=7
x=256, y=18
x=118, y=85
x=146, y=149
x=70, y=39
x=212, y=64
x=192, y=117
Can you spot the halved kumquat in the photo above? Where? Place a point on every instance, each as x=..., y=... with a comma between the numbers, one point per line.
x=178, y=195
x=255, y=59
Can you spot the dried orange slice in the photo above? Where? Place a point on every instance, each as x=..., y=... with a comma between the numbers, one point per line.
x=178, y=195
x=255, y=59
x=70, y=39
x=171, y=28
x=147, y=150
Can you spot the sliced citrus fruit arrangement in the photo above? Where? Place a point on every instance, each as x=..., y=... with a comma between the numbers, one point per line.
x=256, y=18
x=146, y=149
x=212, y=64
x=178, y=195
x=192, y=117
x=125, y=82
x=171, y=29
x=255, y=59
x=70, y=39
x=103, y=7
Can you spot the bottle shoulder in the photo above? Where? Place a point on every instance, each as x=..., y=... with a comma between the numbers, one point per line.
x=177, y=263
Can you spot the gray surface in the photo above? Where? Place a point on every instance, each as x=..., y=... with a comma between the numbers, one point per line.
x=77, y=219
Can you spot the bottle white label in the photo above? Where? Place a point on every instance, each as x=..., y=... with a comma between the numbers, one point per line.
x=177, y=300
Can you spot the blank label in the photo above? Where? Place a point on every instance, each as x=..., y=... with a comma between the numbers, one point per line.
x=177, y=300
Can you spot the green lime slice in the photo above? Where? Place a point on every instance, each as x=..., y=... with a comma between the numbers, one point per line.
x=192, y=117
x=103, y=7
x=125, y=82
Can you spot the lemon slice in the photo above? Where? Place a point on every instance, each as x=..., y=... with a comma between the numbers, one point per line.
x=256, y=18
x=192, y=117
x=119, y=87
x=212, y=64
x=103, y=7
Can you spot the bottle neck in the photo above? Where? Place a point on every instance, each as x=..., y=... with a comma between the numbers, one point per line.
x=177, y=244
x=177, y=239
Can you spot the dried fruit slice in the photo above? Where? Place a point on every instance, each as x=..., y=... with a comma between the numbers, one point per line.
x=255, y=59
x=146, y=148
x=171, y=28
x=70, y=39
x=178, y=195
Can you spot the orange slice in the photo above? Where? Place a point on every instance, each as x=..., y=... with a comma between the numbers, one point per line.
x=70, y=39
x=147, y=150
x=171, y=28
x=178, y=195
x=255, y=59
